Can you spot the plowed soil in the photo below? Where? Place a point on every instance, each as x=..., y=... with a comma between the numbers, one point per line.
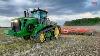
x=66, y=45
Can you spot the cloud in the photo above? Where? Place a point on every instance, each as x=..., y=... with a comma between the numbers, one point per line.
x=62, y=18
x=88, y=3
x=59, y=10
x=55, y=7
x=5, y=21
x=51, y=5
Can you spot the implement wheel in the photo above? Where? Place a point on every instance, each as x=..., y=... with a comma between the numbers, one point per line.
x=56, y=32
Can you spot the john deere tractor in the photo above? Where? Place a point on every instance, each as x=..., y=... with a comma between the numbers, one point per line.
x=35, y=25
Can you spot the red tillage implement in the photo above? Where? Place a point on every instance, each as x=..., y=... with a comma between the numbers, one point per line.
x=78, y=31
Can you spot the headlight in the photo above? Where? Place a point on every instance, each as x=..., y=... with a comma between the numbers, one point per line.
x=12, y=21
x=16, y=21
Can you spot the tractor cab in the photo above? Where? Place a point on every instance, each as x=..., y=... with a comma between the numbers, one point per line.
x=38, y=13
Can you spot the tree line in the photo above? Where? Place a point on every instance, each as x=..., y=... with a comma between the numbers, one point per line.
x=83, y=22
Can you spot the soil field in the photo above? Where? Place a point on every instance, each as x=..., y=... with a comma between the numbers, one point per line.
x=66, y=45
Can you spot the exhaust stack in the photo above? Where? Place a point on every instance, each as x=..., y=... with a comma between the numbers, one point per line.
x=26, y=13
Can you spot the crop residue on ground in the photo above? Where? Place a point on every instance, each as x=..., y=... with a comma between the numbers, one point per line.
x=70, y=45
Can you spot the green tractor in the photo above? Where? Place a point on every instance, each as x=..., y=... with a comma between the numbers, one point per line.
x=35, y=25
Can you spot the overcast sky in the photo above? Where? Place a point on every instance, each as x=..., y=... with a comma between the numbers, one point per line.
x=59, y=10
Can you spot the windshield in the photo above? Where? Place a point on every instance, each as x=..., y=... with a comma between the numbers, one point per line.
x=39, y=14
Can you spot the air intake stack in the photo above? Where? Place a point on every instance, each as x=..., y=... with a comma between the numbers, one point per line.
x=26, y=13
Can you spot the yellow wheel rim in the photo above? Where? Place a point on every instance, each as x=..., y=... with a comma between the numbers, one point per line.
x=42, y=37
x=56, y=32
